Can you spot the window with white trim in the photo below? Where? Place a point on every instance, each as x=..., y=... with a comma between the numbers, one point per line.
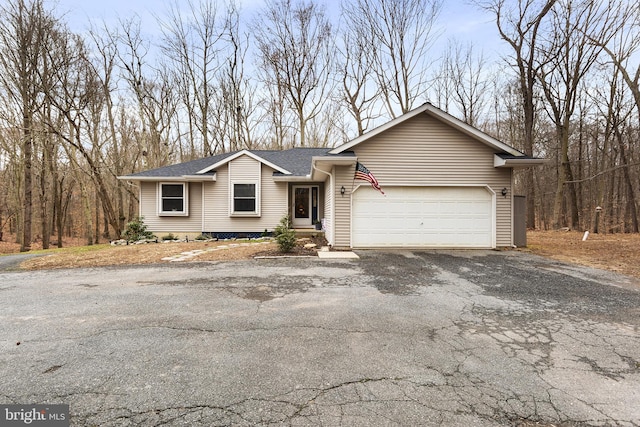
x=173, y=199
x=245, y=198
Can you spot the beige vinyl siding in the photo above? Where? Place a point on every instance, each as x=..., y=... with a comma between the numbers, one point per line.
x=425, y=151
x=328, y=215
x=217, y=198
x=171, y=224
x=274, y=200
x=244, y=170
x=342, y=220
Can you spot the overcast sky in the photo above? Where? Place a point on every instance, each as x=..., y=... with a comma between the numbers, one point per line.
x=458, y=18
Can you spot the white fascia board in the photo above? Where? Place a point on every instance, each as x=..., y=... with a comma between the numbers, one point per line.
x=244, y=153
x=290, y=178
x=152, y=178
x=499, y=162
x=203, y=178
x=182, y=178
x=335, y=160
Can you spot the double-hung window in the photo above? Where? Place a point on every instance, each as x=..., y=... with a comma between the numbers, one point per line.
x=173, y=199
x=245, y=199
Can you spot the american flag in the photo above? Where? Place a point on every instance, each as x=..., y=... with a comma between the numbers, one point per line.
x=366, y=175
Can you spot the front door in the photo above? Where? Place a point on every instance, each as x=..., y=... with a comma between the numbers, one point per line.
x=305, y=205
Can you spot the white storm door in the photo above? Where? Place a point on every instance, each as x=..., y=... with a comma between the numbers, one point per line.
x=301, y=206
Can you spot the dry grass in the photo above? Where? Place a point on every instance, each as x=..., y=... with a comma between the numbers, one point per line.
x=613, y=252
x=106, y=255
x=9, y=245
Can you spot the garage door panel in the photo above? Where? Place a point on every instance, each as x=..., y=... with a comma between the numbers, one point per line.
x=423, y=217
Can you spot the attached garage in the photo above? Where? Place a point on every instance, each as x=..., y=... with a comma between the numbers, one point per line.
x=423, y=217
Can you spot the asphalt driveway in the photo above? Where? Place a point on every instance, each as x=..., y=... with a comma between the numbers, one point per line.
x=479, y=338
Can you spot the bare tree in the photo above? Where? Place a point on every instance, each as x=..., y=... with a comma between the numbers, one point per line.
x=400, y=34
x=520, y=27
x=623, y=46
x=621, y=49
x=565, y=62
x=469, y=80
x=236, y=94
x=25, y=27
x=359, y=87
x=191, y=43
x=77, y=92
x=294, y=39
x=152, y=89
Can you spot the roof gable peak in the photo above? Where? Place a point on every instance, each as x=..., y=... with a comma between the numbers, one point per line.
x=439, y=114
x=241, y=153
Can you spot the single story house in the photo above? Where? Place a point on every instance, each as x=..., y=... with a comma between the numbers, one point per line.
x=443, y=184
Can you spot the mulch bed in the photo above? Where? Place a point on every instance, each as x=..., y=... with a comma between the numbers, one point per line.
x=298, y=249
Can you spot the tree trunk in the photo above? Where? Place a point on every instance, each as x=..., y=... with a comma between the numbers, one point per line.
x=58, y=208
x=44, y=201
x=632, y=213
x=27, y=205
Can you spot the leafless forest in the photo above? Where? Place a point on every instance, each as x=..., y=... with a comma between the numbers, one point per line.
x=78, y=110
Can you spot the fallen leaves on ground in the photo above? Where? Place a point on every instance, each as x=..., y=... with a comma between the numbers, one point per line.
x=614, y=252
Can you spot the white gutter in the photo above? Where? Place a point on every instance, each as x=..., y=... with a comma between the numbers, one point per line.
x=514, y=162
x=332, y=230
x=182, y=178
x=289, y=178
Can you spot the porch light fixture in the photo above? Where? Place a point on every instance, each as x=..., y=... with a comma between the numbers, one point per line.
x=342, y=190
x=504, y=192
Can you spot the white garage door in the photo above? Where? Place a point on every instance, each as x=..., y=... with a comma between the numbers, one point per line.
x=430, y=217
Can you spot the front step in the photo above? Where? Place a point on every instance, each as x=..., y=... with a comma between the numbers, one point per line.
x=308, y=232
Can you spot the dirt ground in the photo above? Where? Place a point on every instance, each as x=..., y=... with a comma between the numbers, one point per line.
x=614, y=252
x=107, y=255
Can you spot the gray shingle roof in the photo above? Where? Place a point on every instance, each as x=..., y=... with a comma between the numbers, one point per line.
x=295, y=160
x=180, y=169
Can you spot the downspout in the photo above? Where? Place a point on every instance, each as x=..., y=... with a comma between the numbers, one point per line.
x=333, y=203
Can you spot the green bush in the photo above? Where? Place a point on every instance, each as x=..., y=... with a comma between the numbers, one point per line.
x=169, y=236
x=137, y=230
x=285, y=236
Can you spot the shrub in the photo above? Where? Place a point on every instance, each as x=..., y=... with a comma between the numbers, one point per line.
x=285, y=236
x=169, y=236
x=136, y=229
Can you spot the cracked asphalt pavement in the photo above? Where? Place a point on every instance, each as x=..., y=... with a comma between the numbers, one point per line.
x=463, y=338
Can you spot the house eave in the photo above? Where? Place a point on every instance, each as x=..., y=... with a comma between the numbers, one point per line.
x=324, y=164
x=292, y=178
x=181, y=178
x=203, y=178
x=514, y=162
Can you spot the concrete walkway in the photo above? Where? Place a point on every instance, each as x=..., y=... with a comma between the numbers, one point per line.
x=337, y=255
x=189, y=255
